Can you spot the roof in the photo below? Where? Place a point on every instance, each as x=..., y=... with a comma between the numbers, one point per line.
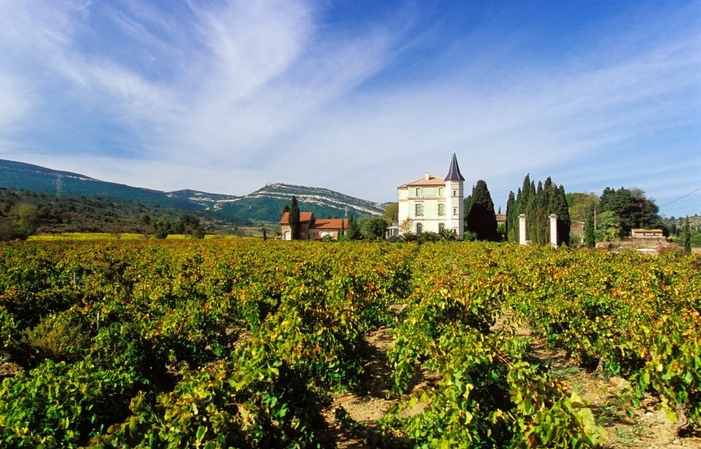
x=303, y=217
x=330, y=223
x=454, y=171
x=429, y=180
x=433, y=180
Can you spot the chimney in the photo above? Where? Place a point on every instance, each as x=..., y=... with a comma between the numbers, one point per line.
x=427, y=176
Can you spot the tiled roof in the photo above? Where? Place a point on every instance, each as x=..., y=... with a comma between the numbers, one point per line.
x=303, y=217
x=432, y=180
x=330, y=223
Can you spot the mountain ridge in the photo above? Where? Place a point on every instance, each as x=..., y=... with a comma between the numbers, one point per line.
x=262, y=205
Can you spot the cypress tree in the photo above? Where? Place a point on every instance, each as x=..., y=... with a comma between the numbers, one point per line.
x=558, y=206
x=589, y=236
x=480, y=217
x=294, y=219
x=524, y=194
x=536, y=212
x=353, y=231
x=687, y=236
x=511, y=218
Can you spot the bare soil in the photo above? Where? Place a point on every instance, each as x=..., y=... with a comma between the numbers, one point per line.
x=353, y=417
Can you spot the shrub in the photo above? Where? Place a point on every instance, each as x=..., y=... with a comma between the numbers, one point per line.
x=58, y=336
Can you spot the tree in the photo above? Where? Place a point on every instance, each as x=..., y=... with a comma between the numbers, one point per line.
x=580, y=204
x=527, y=190
x=632, y=209
x=406, y=226
x=391, y=214
x=558, y=206
x=164, y=227
x=7, y=229
x=687, y=236
x=538, y=204
x=353, y=231
x=537, y=216
x=608, y=227
x=294, y=219
x=512, y=218
x=589, y=236
x=27, y=219
x=190, y=225
x=479, y=213
x=372, y=228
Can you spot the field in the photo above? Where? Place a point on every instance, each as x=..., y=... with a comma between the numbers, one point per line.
x=249, y=343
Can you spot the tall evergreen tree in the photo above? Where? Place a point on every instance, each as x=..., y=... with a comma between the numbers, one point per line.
x=589, y=236
x=511, y=218
x=525, y=194
x=294, y=219
x=480, y=217
x=353, y=231
x=537, y=216
x=687, y=236
x=558, y=206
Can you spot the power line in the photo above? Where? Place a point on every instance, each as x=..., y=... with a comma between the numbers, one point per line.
x=697, y=206
x=681, y=197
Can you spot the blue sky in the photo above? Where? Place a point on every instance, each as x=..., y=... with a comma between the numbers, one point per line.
x=357, y=96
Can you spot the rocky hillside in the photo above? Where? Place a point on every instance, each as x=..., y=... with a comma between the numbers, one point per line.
x=262, y=206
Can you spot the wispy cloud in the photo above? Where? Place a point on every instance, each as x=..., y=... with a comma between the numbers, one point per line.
x=226, y=95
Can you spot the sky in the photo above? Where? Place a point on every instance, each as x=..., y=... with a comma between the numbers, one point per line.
x=357, y=96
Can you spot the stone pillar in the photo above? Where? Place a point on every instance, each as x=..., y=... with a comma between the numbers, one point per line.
x=553, y=230
x=522, y=229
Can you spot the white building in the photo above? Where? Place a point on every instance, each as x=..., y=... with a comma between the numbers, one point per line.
x=432, y=203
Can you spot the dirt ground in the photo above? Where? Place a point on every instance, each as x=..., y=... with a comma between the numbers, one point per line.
x=352, y=416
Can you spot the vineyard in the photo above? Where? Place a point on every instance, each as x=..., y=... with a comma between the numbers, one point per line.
x=243, y=343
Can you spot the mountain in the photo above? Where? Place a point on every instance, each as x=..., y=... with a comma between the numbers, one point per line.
x=266, y=203
x=21, y=176
x=263, y=205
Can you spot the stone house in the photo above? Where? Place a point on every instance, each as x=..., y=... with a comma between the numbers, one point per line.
x=432, y=203
x=311, y=228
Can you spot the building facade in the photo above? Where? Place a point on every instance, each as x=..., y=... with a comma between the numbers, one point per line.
x=432, y=203
x=311, y=228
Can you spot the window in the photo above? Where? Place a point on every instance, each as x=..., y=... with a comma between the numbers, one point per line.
x=418, y=191
x=441, y=210
x=441, y=227
x=455, y=192
x=455, y=211
x=419, y=228
x=419, y=210
x=441, y=191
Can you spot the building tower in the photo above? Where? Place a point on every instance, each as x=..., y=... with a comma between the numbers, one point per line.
x=454, y=219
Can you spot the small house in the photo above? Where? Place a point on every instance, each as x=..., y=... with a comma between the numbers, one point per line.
x=312, y=228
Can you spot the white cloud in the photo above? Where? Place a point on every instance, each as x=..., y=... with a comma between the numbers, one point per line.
x=223, y=96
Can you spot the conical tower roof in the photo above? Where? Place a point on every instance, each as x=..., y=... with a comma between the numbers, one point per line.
x=454, y=172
